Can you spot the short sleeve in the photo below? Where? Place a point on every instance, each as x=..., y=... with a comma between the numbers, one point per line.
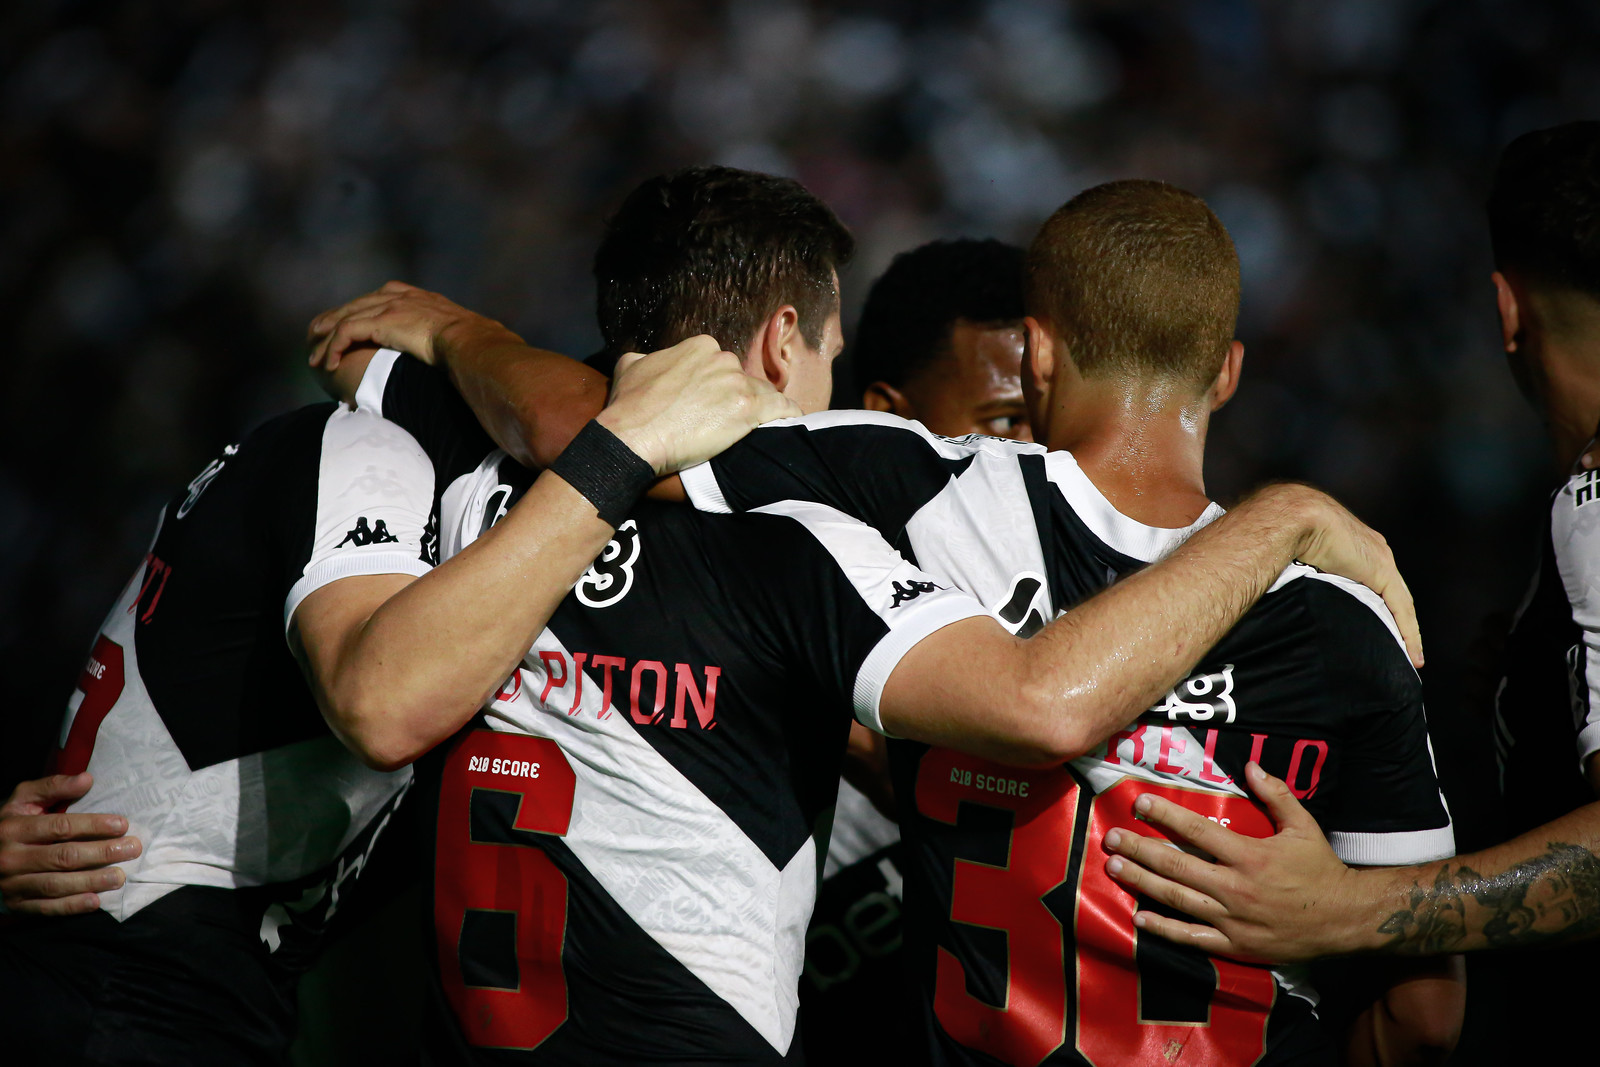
x=875, y=467
x=872, y=608
x=420, y=399
x=1575, y=536
x=374, y=502
x=1391, y=811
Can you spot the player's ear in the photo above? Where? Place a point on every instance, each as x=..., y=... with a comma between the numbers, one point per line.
x=881, y=396
x=1227, y=380
x=1038, y=355
x=772, y=356
x=1510, y=314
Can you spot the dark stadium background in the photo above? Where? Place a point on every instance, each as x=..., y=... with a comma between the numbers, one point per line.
x=183, y=184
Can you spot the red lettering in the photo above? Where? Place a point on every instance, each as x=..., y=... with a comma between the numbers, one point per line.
x=1316, y=768
x=1257, y=740
x=1136, y=735
x=660, y=670
x=1169, y=745
x=512, y=687
x=577, y=674
x=705, y=708
x=552, y=660
x=1208, y=769
x=606, y=663
x=166, y=572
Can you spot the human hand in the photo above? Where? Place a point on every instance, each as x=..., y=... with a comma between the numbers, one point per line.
x=682, y=405
x=1339, y=543
x=398, y=316
x=1283, y=898
x=54, y=863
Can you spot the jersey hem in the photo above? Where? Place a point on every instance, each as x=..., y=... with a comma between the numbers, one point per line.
x=1394, y=849
x=891, y=649
x=1588, y=743
x=369, y=394
x=700, y=484
x=349, y=565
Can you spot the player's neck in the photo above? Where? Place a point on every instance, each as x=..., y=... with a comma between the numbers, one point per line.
x=1142, y=446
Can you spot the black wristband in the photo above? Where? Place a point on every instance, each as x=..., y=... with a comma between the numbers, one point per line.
x=608, y=473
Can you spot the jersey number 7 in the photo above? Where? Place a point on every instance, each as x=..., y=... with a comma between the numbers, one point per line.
x=499, y=903
x=1050, y=823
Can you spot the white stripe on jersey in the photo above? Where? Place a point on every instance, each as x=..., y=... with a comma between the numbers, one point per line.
x=669, y=857
x=882, y=577
x=1575, y=537
x=666, y=853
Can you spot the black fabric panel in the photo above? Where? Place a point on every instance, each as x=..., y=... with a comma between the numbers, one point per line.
x=882, y=475
x=211, y=650
x=185, y=981
x=1539, y=769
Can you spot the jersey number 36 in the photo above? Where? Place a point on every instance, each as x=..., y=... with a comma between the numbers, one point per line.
x=1050, y=825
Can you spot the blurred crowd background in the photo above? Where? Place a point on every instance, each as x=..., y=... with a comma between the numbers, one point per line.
x=184, y=184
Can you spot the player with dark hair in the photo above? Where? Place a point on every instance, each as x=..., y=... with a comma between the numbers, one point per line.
x=672, y=739
x=1286, y=897
x=200, y=731
x=940, y=339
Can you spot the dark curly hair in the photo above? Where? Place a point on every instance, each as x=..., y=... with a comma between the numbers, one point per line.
x=906, y=322
x=1544, y=207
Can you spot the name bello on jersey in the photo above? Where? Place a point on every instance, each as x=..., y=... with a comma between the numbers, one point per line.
x=646, y=681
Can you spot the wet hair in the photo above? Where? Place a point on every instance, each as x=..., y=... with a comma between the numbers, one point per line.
x=905, y=325
x=1544, y=207
x=716, y=250
x=1137, y=278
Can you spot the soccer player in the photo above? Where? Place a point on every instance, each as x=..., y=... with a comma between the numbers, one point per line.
x=673, y=738
x=1132, y=289
x=203, y=736
x=1286, y=897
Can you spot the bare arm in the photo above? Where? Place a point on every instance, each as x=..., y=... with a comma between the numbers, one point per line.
x=54, y=862
x=1096, y=668
x=1287, y=897
x=398, y=665
x=531, y=401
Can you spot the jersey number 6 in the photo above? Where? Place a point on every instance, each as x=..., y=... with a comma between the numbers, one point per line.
x=500, y=904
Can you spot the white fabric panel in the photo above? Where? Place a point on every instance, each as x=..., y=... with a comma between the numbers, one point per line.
x=859, y=830
x=669, y=856
x=1575, y=533
x=371, y=472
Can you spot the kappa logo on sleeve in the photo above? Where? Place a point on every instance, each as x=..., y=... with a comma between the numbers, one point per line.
x=908, y=591
x=363, y=535
x=610, y=576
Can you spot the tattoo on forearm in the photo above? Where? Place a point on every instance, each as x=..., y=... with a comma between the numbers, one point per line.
x=1555, y=896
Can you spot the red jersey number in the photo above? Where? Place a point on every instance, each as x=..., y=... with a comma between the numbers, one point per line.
x=101, y=683
x=1031, y=1023
x=491, y=883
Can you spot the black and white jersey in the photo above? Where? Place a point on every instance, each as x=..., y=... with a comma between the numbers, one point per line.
x=192, y=713
x=1024, y=947
x=1547, y=697
x=629, y=841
